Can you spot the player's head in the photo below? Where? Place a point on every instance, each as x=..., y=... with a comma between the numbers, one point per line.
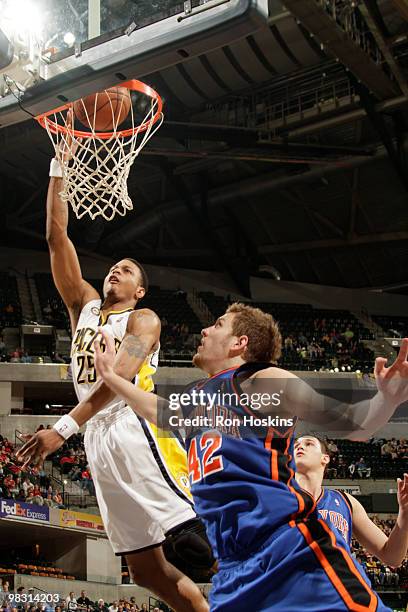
x=241, y=333
x=311, y=455
x=126, y=281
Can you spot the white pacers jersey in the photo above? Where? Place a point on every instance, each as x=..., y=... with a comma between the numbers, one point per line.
x=82, y=352
x=140, y=472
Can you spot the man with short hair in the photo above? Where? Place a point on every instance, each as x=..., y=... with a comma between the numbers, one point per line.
x=140, y=475
x=344, y=514
x=270, y=546
x=84, y=602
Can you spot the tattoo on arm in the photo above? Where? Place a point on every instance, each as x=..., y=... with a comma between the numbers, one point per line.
x=135, y=347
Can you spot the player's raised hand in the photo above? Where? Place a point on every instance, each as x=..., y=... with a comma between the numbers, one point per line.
x=104, y=360
x=393, y=381
x=402, y=496
x=38, y=446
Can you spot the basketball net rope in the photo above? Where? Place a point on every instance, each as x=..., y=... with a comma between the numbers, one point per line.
x=95, y=171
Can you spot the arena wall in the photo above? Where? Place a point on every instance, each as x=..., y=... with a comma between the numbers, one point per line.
x=263, y=290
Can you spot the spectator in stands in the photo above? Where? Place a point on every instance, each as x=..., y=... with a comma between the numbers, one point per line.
x=67, y=461
x=388, y=577
x=113, y=607
x=9, y=484
x=402, y=449
x=332, y=446
x=86, y=481
x=57, y=499
x=388, y=451
x=36, y=499
x=363, y=469
x=348, y=334
x=27, y=486
x=101, y=606
x=84, y=602
x=71, y=602
x=15, y=356
x=352, y=469
x=15, y=489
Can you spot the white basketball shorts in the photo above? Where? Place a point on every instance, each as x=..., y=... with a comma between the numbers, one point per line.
x=137, y=503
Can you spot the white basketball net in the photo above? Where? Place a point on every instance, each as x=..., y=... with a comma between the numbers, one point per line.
x=95, y=170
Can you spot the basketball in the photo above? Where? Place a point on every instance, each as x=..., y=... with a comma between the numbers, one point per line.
x=104, y=111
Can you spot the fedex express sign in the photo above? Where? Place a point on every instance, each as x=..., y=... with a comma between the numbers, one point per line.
x=9, y=508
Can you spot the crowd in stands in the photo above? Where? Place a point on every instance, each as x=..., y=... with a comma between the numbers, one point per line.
x=381, y=575
x=31, y=486
x=19, y=355
x=313, y=339
x=70, y=459
x=326, y=348
x=332, y=341
x=120, y=605
x=378, y=459
x=26, y=599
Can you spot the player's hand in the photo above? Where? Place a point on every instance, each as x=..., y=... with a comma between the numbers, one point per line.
x=392, y=382
x=402, y=496
x=38, y=446
x=104, y=360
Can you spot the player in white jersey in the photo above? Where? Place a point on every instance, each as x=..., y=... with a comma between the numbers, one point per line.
x=140, y=476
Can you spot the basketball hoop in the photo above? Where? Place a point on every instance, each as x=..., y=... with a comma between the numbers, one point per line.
x=96, y=165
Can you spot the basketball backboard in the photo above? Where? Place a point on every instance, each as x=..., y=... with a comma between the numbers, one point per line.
x=88, y=45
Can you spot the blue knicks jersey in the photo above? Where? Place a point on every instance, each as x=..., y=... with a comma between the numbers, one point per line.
x=334, y=508
x=241, y=469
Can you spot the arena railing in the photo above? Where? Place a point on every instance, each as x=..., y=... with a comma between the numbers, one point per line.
x=84, y=500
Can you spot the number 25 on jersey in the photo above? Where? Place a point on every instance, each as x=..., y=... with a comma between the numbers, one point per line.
x=209, y=443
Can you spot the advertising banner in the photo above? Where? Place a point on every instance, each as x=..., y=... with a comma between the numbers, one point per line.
x=68, y=518
x=10, y=508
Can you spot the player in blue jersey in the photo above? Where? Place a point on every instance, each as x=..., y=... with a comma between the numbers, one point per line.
x=273, y=552
x=344, y=515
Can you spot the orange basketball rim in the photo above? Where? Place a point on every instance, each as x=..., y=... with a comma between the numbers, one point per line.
x=53, y=126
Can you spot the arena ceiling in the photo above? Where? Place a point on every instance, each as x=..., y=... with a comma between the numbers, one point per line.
x=281, y=154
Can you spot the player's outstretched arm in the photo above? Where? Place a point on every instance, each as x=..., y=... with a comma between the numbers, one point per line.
x=66, y=271
x=390, y=550
x=142, y=335
x=358, y=421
